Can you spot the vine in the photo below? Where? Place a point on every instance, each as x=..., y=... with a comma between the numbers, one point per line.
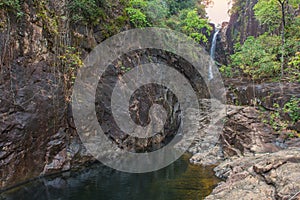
x=48, y=17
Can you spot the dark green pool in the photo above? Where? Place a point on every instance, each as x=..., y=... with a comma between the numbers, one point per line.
x=179, y=181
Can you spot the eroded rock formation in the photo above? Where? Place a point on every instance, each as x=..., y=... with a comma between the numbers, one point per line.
x=260, y=176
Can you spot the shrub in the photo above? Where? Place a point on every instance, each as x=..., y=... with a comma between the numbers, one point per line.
x=136, y=13
x=13, y=6
x=257, y=59
x=137, y=17
x=226, y=71
x=85, y=11
x=293, y=109
x=193, y=25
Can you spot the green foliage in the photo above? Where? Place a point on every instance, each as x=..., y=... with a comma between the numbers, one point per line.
x=268, y=12
x=173, y=23
x=270, y=43
x=175, y=6
x=226, y=71
x=85, y=11
x=13, y=6
x=157, y=12
x=143, y=13
x=193, y=25
x=294, y=70
x=136, y=13
x=257, y=58
x=293, y=109
x=184, y=16
x=125, y=69
x=71, y=61
x=138, y=4
x=50, y=20
x=274, y=118
x=293, y=48
x=114, y=26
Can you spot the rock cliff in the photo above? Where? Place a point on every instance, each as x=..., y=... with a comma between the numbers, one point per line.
x=38, y=46
x=242, y=24
x=41, y=48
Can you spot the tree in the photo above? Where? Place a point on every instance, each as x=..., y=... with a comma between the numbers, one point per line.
x=157, y=12
x=282, y=6
x=269, y=12
x=193, y=25
x=136, y=13
x=85, y=11
x=181, y=15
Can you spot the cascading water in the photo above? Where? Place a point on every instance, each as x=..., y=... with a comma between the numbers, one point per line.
x=212, y=55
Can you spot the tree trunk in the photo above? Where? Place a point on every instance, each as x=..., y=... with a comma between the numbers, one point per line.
x=282, y=4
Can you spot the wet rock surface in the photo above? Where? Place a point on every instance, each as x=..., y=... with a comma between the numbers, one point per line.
x=253, y=161
x=244, y=132
x=38, y=136
x=145, y=97
x=27, y=121
x=35, y=136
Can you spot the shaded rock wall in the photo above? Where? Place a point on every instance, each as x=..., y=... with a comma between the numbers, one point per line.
x=37, y=136
x=144, y=98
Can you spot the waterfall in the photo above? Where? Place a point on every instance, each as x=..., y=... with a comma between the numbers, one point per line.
x=212, y=55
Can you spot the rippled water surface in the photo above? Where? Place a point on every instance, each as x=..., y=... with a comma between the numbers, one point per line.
x=179, y=181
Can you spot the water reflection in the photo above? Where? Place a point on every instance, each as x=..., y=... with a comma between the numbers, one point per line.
x=179, y=181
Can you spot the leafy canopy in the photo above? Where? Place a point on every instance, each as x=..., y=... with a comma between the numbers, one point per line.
x=85, y=11
x=257, y=57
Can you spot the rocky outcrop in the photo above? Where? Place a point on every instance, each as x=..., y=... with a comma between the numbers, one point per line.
x=240, y=92
x=222, y=54
x=260, y=176
x=243, y=133
x=143, y=99
x=35, y=138
x=254, y=161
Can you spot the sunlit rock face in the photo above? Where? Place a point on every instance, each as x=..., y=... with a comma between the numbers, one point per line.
x=242, y=24
x=260, y=176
